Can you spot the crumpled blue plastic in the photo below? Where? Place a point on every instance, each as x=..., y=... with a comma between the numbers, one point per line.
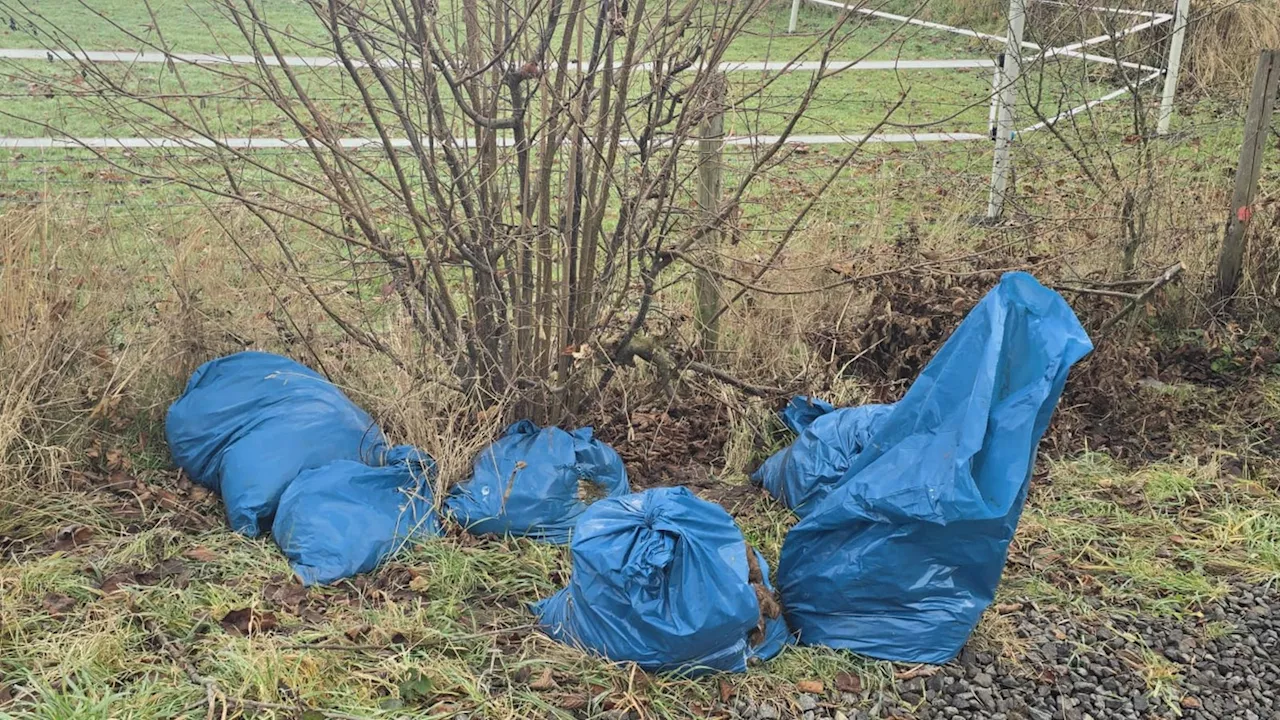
x=527, y=482
x=899, y=560
x=248, y=423
x=660, y=578
x=344, y=518
x=828, y=441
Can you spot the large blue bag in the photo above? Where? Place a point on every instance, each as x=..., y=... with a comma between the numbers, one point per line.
x=529, y=481
x=828, y=441
x=899, y=560
x=343, y=518
x=248, y=423
x=661, y=578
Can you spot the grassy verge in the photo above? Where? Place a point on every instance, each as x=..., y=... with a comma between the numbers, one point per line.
x=109, y=580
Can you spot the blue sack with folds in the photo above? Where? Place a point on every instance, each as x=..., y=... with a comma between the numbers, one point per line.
x=900, y=558
x=662, y=578
x=828, y=440
x=531, y=482
x=248, y=423
x=344, y=518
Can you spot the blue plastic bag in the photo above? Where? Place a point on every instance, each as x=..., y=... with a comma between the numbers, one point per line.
x=528, y=482
x=828, y=442
x=344, y=518
x=661, y=578
x=902, y=556
x=248, y=423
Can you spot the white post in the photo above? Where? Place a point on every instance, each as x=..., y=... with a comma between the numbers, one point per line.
x=795, y=15
x=1171, y=68
x=1005, y=130
x=997, y=79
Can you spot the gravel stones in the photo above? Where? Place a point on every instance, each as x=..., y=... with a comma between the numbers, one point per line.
x=1221, y=664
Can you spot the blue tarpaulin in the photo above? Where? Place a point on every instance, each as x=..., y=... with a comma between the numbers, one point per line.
x=529, y=482
x=343, y=518
x=900, y=558
x=281, y=443
x=661, y=578
x=248, y=423
x=828, y=441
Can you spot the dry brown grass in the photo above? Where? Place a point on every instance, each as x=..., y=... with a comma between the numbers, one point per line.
x=1222, y=46
x=1225, y=37
x=47, y=344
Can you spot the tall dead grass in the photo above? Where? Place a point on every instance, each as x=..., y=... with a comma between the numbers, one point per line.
x=101, y=325
x=1225, y=37
x=46, y=340
x=1223, y=41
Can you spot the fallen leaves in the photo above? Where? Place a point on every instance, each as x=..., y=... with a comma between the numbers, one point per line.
x=847, y=682
x=248, y=621
x=810, y=686
x=201, y=553
x=575, y=701
x=112, y=583
x=726, y=691
x=57, y=604
x=544, y=682
x=358, y=632
x=70, y=537
x=288, y=594
x=171, y=569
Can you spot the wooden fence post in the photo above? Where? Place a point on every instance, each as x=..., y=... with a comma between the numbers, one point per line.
x=1257, y=124
x=710, y=163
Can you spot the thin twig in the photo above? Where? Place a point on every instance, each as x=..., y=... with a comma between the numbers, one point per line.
x=1169, y=274
x=338, y=647
x=1094, y=291
x=764, y=391
x=1141, y=282
x=213, y=693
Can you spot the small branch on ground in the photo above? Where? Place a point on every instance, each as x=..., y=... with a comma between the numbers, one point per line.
x=917, y=671
x=338, y=647
x=1094, y=291
x=214, y=695
x=1165, y=277
x=658, y=357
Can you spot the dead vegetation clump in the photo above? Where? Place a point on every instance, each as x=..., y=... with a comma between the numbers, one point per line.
x=54, y=365
x=1224, y=38
x=668, y=441
x=1139, y=397
x=907, y=318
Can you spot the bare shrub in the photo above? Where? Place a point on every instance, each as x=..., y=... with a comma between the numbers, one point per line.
x=527, y=181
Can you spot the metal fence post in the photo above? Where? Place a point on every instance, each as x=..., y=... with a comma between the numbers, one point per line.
x=1008, y=98
x=795, y=15
x=1173, y=65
